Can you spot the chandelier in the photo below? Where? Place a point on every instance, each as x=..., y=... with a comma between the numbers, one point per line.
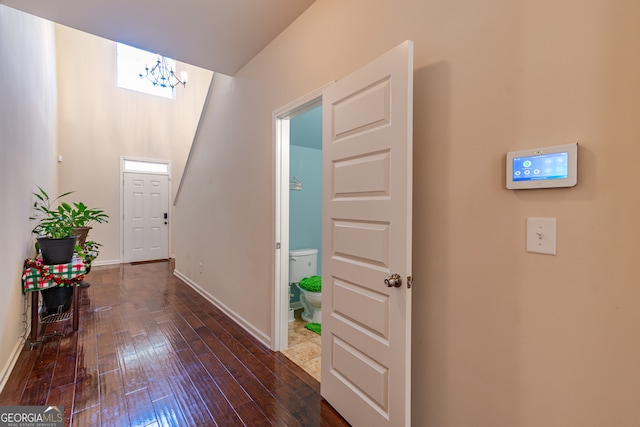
x=162, y=74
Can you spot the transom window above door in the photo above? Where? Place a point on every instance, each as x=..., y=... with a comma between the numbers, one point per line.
x=130, y=165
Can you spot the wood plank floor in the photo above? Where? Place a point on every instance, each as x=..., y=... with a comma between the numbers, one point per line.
x=150, y=351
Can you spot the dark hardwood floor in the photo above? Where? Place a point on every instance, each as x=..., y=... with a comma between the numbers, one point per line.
x=150, y=351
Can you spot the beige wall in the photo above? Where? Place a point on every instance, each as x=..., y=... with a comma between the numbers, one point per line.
x=501, y=337
x=27, y=156
x=100, y=122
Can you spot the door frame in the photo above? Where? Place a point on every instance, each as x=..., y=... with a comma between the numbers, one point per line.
x=123, y=159
x=280, y=119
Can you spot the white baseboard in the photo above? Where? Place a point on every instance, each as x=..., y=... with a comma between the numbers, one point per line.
x=116, y=261
x=8, y=367
x=107, y=262
x=259, y=335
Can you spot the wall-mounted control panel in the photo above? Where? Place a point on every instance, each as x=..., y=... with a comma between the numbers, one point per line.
x=546, y=167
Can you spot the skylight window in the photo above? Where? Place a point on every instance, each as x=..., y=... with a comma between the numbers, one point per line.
x=131, y=62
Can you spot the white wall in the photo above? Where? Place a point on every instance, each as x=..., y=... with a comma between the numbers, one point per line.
x=94, y=121
x=27, y=155
x=501, y=337
x=100, y=122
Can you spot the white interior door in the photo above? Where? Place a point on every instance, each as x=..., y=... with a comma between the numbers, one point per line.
x=367, y=197
x=145, y=217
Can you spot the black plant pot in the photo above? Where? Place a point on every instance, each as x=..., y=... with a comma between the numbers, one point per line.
x=57, y=300
x=57, y=251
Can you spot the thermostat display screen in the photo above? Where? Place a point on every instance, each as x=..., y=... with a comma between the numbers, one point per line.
x=540, y=167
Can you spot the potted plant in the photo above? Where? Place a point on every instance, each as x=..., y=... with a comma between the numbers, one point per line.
x=58, y=228
x=56, y=242
x=54, y=232
x=64, y=221
x=80, y=216
x=88, y=251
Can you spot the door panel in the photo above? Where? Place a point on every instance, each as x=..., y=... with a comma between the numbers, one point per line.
x=346, y=295
x=146, y=231
x=367, y=176
x=362, y=110
x=366, y=378
x=362, y=242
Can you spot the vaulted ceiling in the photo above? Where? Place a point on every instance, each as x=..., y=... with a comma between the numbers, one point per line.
x=220, y=35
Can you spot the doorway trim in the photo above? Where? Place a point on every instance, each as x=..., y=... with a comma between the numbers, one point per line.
x=281, y=119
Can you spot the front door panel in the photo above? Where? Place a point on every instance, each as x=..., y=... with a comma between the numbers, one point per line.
x=146, y=230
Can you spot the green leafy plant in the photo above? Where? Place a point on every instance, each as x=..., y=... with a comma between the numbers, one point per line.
x=88, y=251
x=81, y=216
x=61, y=220
x=52, y=221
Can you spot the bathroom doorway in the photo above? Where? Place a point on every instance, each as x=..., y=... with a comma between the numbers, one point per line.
x=298, y=136
x=367, y=157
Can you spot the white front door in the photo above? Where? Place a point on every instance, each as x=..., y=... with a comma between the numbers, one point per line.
x=145, y=217
x=367, y=199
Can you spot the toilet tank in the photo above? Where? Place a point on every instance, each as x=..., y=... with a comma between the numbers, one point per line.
x=302, y=263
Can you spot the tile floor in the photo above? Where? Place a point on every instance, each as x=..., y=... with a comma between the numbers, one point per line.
x=304, y=346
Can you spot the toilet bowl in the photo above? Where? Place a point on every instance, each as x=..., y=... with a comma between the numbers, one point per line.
x=312, y=303
x=311, y=298
x=302, y=267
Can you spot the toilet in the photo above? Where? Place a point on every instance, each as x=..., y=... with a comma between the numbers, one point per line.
x=303, y=263
x=311, y=301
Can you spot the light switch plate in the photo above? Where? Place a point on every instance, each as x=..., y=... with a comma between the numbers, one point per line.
x=541, y=235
